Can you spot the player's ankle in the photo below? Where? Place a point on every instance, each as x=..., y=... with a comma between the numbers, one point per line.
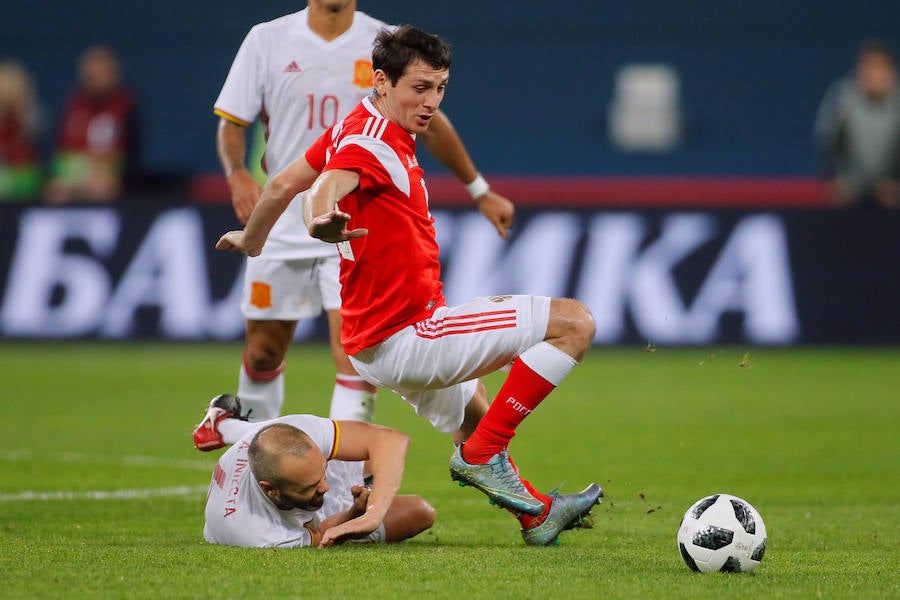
x=478, y=453
x=531, y=521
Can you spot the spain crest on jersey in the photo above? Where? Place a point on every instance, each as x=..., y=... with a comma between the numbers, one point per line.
x=362, y=74
x=261, y=294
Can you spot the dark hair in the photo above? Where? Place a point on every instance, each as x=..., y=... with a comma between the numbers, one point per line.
x=270, y=444
x=875, y=46
x=397, y=49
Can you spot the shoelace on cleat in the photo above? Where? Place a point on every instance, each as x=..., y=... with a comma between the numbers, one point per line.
x=506, y=474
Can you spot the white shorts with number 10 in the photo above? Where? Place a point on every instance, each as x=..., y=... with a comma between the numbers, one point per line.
x=434, y=364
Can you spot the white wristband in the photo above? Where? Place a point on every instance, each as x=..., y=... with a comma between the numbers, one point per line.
x=478, y=187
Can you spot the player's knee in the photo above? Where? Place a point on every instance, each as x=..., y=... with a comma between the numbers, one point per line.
x=573, y=320
x=263, y=355
x=423, y=514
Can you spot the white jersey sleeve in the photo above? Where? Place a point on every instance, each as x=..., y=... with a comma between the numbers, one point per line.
x=241, y=97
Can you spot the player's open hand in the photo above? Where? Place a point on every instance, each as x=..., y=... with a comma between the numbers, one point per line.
x=349, y=530
x=245, y=193
x=498, y=210
x=235, y=241
x=332, y=227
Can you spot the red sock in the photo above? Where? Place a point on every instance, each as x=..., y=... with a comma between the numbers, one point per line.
x=262, y=376
x=520, y=394
x=529, y=521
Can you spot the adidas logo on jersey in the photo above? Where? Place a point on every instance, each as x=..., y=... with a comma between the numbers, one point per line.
x=292, y=68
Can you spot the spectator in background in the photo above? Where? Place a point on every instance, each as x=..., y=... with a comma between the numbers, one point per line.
x=20, y=169
x=858, y=131
x=96, y=133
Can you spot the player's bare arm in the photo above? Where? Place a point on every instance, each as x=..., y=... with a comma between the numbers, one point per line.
x=360, y=502
x=275, y=198
x=385, y=449
x=445, y=144
x=320, y=213
x=231, y=146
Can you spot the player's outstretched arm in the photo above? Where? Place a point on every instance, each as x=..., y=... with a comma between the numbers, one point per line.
x=385, y=449
x=445, y=145
x=276, y=196
x=320, y=213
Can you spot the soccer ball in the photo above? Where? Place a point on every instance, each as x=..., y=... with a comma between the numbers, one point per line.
x=722, y=533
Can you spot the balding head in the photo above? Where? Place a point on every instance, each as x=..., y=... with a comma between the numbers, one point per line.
x=289, y=467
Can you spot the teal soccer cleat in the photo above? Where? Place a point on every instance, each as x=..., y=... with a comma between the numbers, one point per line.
x=566, y=511
x=498, y=479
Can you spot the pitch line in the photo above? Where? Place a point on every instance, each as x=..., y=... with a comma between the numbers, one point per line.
x=128, y=461
x=181, y=490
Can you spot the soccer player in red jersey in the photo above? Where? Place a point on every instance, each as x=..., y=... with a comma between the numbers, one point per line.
x=367, y=194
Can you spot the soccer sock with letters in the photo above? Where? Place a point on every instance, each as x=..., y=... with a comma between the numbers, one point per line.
x=534, y=374
x=261, y=392
x=353, y=399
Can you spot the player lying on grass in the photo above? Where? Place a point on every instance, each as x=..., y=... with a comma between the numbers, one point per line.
x=297, y=481
x=367, y=194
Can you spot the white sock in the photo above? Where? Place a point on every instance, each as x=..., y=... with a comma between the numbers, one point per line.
x=548, y=361
x=234, y=429
x=261, y=399
x=351, y=401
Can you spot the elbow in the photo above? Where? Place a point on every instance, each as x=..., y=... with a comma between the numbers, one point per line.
x=397, y=442
x=402, y=440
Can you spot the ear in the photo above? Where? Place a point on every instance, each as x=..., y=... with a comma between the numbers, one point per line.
x=267, y=488
x=381, y=82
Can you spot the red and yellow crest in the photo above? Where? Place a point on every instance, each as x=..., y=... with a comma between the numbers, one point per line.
x=362, y=74
x=260, y=294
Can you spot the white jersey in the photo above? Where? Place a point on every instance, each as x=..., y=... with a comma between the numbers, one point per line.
x=238, y=513
x=300, y=85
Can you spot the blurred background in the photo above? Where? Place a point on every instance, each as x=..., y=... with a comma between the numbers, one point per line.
x=532, y=85
x=663, y=157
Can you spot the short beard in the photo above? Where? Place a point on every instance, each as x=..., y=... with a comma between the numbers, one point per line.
x=336, y=6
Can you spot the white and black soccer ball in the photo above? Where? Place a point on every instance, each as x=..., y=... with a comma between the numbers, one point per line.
x=722, y=533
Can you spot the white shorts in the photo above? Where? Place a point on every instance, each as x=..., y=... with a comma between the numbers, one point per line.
x=290, y=290
x=434, y=364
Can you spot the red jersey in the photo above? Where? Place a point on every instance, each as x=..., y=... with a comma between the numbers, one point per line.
x=17, y=144
x=390, y=278
x=98, y=127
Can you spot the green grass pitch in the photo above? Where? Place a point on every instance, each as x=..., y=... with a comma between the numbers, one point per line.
x=101, y=492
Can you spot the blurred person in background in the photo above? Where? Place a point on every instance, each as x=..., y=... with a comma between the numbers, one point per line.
x=20, y=168
x=96, y=134
x=300, y=74
x=858, y=132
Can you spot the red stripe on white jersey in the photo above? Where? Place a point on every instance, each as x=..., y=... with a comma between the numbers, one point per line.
x=434, y=335
x=461, y=324
x=219, y=476
x=492, y=313
x=470, y=319
x=432, y=326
